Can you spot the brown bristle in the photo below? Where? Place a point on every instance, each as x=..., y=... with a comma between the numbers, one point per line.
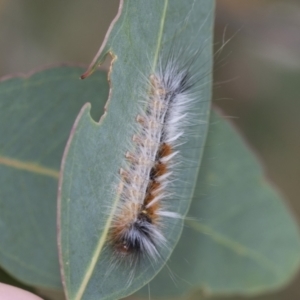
x=157, y=88
x=165, y=150
x=160, y=169
x=140, y=119
x=152, y=211
x=128, y=213
x=124, y=173
x=153, y=188
x=151, y=194
x=115, y=237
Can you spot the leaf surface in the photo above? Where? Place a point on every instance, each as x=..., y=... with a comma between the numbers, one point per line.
x=36, y=116
x=95, y=152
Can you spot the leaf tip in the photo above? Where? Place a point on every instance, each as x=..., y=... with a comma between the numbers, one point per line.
x=86, y=74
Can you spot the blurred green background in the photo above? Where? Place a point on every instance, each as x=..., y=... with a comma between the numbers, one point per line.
x=257, y=73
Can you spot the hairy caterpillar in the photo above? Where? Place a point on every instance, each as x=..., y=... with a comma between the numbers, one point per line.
x=150, y=168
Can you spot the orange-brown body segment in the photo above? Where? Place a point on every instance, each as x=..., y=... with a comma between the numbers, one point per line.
x=158, y=170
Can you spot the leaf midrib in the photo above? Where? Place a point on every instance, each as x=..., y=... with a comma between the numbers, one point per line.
x=235, y=246
x=31, y=167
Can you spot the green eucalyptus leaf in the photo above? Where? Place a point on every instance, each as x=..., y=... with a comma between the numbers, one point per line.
x=36, y=116
x=241, y=238
x=95, y=152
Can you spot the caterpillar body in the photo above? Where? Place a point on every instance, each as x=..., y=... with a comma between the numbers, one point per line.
x=145, y=188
